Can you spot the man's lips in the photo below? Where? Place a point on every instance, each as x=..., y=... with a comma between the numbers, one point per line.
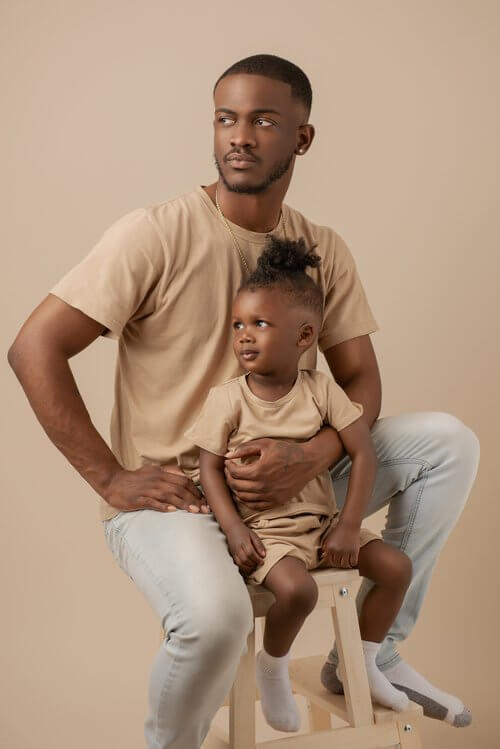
x=240, y=157
x=240, y=160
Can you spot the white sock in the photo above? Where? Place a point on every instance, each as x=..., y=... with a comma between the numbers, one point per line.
x=421, y=691
x=381, y=688
x=278, y=704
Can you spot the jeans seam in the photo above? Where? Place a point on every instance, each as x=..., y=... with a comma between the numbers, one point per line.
x=389, y=462
x=413, y=515
x=166, y=684
x=395, y=659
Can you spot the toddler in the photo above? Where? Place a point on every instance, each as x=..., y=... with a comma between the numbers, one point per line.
x=277, y=316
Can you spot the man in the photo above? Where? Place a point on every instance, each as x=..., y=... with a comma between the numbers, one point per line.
x=162, y=281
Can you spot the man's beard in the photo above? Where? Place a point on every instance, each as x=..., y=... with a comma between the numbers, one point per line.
x=275, y=174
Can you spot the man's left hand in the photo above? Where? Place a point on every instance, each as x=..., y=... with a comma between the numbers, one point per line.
x=280, y=470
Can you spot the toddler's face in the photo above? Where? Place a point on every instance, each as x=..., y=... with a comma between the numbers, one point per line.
x=266, y=331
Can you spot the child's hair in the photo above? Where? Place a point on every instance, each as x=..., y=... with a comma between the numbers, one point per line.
x=283, y=263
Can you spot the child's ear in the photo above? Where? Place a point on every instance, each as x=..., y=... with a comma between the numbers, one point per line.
x=307, y=334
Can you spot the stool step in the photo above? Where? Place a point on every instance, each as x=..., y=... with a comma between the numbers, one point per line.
x=304, y=675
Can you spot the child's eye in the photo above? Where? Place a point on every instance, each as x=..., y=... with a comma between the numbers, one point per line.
x=261, y=323
x=237, y=325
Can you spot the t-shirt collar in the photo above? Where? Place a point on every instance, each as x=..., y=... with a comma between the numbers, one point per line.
x=256, y=237
x=272, y=404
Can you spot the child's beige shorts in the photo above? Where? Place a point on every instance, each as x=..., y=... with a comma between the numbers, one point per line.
x=296, y=536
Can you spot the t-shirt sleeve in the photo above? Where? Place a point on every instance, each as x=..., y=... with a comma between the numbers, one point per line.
x=214, y=423
x=117, y=281
x=341, y=411
x=347, y=312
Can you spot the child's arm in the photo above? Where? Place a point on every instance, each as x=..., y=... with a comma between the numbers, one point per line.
x=341, y=545
x=245, y=546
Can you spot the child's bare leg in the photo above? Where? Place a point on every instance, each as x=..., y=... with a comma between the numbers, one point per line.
x=390, y=570
x=296, y=594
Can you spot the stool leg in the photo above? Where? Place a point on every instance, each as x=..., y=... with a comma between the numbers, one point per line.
x=319, y=719
x=352, y=664
x=242, y=701
x=409, y=737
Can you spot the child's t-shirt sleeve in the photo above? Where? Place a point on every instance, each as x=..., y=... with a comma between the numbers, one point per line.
x=341, y=411
x=214, y=423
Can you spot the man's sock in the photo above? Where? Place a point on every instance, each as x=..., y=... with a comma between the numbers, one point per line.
x=278, y=704
x=381, y=688
x=436, y=704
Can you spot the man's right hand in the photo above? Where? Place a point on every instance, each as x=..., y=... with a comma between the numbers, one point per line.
x=162, y=488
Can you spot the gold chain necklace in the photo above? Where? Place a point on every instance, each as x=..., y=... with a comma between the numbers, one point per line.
x=236, y=243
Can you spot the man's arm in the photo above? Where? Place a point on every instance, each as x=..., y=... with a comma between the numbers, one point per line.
x=354, y=366
x=39, y=356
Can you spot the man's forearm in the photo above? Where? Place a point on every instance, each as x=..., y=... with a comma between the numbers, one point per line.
x=365, y=389
x=323, y=450
x=51, y=389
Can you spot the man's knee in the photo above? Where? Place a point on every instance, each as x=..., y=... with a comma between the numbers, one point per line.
x=460, y=440
x=218, y=630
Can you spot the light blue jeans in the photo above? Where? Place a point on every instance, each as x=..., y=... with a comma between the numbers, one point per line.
x=427, y=463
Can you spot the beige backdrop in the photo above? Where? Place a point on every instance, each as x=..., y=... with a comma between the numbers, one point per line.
x=108, y=108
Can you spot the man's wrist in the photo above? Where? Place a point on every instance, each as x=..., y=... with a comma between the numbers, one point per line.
x=324, y=450
x=102, y=479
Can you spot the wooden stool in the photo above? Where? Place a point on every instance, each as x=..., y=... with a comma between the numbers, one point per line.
x=368, y=727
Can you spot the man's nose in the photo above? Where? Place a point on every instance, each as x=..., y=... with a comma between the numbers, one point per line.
x=242, y=134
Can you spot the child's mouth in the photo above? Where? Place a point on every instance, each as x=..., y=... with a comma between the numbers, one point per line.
x=248, y=355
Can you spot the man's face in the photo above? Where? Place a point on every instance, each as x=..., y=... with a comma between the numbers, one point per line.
x=257, y=118
x=266, y=330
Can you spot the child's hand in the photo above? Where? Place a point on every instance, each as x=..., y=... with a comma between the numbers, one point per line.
x=246, y=547
x=340, y=547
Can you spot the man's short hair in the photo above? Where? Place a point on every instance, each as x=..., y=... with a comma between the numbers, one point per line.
x=277, y=68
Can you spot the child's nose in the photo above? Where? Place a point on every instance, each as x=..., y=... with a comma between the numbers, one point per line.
x=245, y=335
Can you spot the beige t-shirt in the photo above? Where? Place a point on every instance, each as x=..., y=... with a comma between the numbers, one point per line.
x=162, y=280
x=233, y=414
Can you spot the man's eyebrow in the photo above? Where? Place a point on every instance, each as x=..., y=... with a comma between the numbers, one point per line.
x=254, y=111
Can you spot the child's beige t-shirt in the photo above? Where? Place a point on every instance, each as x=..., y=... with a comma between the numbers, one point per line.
x=162, y=280
x=232, y=414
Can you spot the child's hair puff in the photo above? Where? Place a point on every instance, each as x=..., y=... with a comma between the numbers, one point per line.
x=283, y=263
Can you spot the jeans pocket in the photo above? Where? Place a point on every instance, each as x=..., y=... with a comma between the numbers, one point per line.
x=122, y=520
